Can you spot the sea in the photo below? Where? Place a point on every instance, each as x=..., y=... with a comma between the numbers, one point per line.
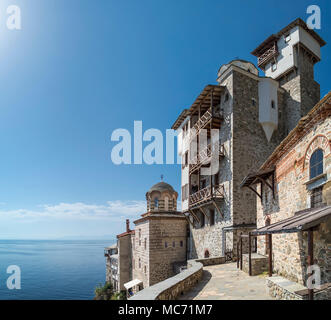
x=53, y=269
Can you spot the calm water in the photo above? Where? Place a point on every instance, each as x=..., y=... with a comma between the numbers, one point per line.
x=53, y=269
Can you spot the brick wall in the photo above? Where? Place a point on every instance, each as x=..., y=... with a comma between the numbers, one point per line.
x=292, y=195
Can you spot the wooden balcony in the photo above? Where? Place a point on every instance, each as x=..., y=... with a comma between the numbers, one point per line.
x=214, y=115
x=206, y=194
x=204, y=156
x=269, y=54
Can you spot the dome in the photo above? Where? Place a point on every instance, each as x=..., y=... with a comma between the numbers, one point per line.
x=161, y=197
x=243, y=64
x=161, y=186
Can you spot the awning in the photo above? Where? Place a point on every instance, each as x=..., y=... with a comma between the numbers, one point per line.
x=132, y=283
x=256, y=177
x=301, y=221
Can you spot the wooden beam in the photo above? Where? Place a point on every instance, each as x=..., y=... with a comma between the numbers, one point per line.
x=241, y=253
x=310, y=259
x=270, y=254
x=238, y=255
x=194, y=216
x=217, y=208
x=189, y=220
x=260, y=195
x=249, y=254
x=265, y=182
x=204, y=213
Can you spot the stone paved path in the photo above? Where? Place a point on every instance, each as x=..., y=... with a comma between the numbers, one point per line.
x=226, y=282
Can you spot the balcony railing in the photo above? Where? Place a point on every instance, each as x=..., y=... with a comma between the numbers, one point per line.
x=205, y=155
x=202, y=121
x=267, y=55
x=206, y=194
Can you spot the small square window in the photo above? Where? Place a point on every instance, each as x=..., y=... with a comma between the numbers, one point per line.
x=274, y=67
x=287, y=38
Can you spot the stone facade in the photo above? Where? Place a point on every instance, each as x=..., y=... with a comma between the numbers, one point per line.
x=165, y=237
x=294, y=189
x=259, y=263
x=283, y=289
x=246, y=139
x=153, y=250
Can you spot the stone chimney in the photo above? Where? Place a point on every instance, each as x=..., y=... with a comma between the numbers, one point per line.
x=127, y=225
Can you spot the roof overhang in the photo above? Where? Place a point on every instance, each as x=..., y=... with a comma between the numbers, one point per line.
x=301, y=221
x=209, y=93
x=255, y=178
x=132, y=283
x=297, y=22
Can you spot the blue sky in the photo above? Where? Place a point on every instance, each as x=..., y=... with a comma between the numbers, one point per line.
x=77, y=70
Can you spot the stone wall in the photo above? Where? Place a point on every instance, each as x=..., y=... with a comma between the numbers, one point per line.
x=173, y=287
x=124, y=260
x=167, y=245
x=292, y=195
x=259, y=263
x=211, y=237
x=160, y=241
x=283, y=289
x=141, y=254
x=250, y=148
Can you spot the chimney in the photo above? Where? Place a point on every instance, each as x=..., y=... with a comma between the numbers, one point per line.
x=127, y=225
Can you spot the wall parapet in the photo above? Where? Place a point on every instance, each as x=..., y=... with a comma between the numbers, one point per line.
x=283, y=289
x=177, y=285
x=173, y=287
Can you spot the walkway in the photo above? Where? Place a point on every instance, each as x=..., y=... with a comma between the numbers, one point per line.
x=226, y=282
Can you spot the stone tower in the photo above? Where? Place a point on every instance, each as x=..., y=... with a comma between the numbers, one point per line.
x=160, y=237
x=289, y=57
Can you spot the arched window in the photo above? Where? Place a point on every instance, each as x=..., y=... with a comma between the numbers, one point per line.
x=156, y=203
x=316, y=163
x=273, y=105
x=207, y=253
x=166, y=203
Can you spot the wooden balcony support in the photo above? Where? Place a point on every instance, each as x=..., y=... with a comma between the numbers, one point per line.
x=204, y=213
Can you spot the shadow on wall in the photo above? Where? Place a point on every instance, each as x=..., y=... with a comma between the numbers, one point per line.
x=322, y=253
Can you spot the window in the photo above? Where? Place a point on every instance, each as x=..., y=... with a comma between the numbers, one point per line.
x=181, y=243
x=253, y=102
x=212, y=217
x=316, y=199
x=186, y=158
x=287, y=37
x=165, y=244
x=273, y=67
x=273, y=105
x=226, y=97
x=133, y=263
x=139, y=242
x=156, y=203
x=145, y=269
x=173, y=244
x=139, y=263
x=316, y=163
x=166, y=203
x=202, y=220
x=145, y=243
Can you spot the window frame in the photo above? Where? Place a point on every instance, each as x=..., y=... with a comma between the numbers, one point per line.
x=316, y=164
